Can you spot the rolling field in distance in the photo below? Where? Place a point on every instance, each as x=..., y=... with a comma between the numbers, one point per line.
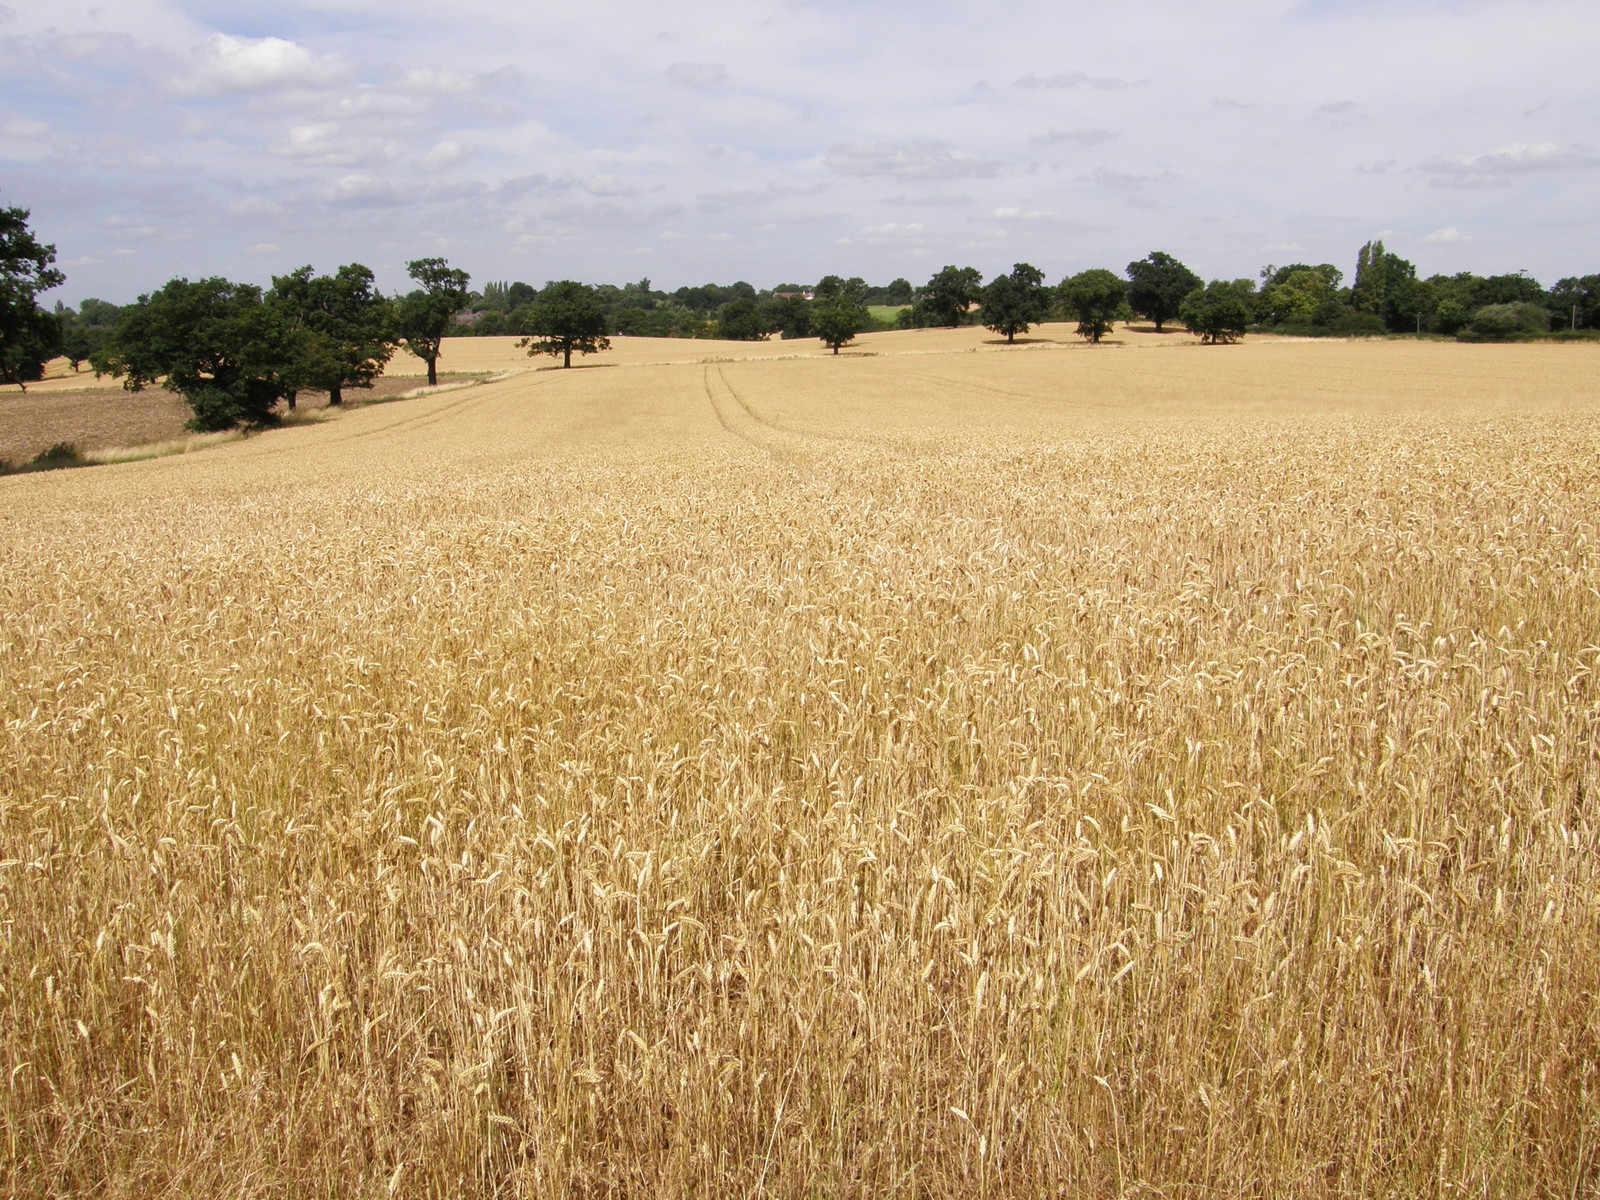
x=1153, y=770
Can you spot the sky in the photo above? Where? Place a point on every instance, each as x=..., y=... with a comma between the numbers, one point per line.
x=776, y=141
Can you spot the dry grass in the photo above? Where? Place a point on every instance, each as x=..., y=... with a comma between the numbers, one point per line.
x=1079, y=773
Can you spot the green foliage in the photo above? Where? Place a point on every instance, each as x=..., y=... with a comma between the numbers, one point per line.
x=1386, y=286
x=788, y=315
x=949, y=294
x=347, y=329
x=29, y=336
x=566, y=317
x=741, y=320
x=1013, y=303
x=1157, y=285
x=837, y=313
x=426, y=315
x=1508, y=322
x=1220, y=312
x=1299, y=295
x=230, y=355
x=1097, y=298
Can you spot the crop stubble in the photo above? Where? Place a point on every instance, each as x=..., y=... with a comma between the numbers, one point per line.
x=930, y=775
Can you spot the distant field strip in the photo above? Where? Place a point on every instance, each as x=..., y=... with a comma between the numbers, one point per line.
x=1150, y=770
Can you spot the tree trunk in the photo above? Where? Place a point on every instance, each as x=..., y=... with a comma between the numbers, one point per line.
x=566, y=355
x=1158, y=324
x=290, y=398
x=335, y=396
x=836, y=350
x=433, y=371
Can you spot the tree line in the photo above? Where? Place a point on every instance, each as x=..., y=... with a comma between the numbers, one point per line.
x=238, y=353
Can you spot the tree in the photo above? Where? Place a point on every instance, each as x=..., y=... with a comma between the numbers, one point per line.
x=1386, y=286
x=898, y=293
x=566, y=317
x=347, y=327
x=426, y=315
x=1012, y=303
x=740, y=320
x=1298, y=294
x=232, y=356
x=789, y=314
x=950, y=293
x=29, y=336
x=1097, y=298
x=1575, y=302
x=1157, y=284
x=837, y=313
x=1220, y=312
x=1508, y=322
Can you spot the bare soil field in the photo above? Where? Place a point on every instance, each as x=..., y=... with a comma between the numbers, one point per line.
x=943, y=771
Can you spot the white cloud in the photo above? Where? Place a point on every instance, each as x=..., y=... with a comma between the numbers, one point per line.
x=223, y=64
x=1495, y=168
x=329, y=145
x=922, y=159
x=265, y=248
x=365, y=191
x=1447, y=236
x=443, y=156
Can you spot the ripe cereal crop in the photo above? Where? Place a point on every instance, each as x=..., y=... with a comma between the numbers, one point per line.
x=1147, y=770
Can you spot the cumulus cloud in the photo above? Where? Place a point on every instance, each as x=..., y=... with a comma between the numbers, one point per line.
x=696, y=74
x=439, y=82
x=224, y=64
x=907, y=160
x=365, y=191
x=1495, y=168
x=329, y=145
x=1076, y=79
x=443, y=156
x=1447, y=236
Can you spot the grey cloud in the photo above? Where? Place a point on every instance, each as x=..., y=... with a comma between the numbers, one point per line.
x=1336, y=108
x=907, y=160
x=454, y=83
x=697, y=75
x=1228, y=102
x=1074, y=79
x=1075, y=137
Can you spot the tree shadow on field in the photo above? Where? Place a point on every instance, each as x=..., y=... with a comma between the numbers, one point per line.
x=1023, y=341
x=578, y=367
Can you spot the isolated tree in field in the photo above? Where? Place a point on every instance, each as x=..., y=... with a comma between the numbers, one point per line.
x=1220, y=312
x=429, y=313
x=566, y=317
x=347, y=328
x=229, y=354
x=1097, y=298
x=837, y=312
x=1157, y=284
x=950, y=293
x=1013, y=303
x=29, y=336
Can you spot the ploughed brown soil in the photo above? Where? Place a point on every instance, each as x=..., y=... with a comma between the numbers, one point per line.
x=101, y=416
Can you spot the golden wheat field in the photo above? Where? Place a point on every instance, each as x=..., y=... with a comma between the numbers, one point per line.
x=942, y=771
